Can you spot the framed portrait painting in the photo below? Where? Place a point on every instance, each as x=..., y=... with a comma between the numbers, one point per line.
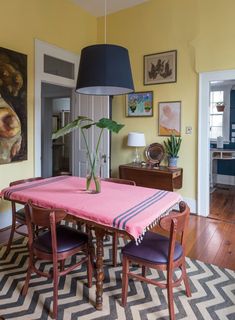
x=160, y=68
x=169, y=118
x=13, y=106
x=139, y=104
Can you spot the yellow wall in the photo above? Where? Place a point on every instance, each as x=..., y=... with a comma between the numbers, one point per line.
x=59, y=22
x=202, y=32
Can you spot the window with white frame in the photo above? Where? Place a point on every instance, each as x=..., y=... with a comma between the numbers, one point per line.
x=216, y=117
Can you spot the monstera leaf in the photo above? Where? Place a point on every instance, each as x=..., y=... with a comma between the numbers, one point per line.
x=75, y=124
x=109, y=124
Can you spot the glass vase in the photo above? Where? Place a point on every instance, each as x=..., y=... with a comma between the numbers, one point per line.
x=93, y=181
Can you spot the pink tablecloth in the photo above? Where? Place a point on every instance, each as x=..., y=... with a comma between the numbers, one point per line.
x=124, y=207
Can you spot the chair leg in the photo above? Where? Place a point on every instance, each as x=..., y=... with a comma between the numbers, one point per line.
x=89, y=271
x=170, y=294
x=144, y=271
x=185, y=279
x=11, y=236
x=62, y=263
x=125, y=270
x=26, y=284
x=115, y=245
x=55, y=290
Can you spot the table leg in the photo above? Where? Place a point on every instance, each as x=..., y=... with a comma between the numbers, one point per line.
x=99, y=267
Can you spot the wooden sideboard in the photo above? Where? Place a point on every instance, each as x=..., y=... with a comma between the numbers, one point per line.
x=158, y=177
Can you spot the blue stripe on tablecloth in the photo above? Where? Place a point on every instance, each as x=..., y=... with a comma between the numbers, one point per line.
x=7, y=194
x=140, y=210
x=137, y=208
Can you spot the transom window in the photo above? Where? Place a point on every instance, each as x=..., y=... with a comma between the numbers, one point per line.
x=216, y=117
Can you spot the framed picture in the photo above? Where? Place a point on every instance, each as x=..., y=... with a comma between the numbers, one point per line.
x=160, y=67
x=169, y=118
x=13, y=103
x=139, y=104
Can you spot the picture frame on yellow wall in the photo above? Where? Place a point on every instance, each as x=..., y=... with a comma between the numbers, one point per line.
x=169, y=118
x=139, y=104
x=160, y=67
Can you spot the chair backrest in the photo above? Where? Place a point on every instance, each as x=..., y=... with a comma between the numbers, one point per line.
x=14, y=183
x=176, y=223
x=122, y=181
x=42, y=217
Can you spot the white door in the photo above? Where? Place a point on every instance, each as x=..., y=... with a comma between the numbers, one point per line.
x=94, y=107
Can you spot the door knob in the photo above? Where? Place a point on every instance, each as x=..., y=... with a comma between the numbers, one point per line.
x=104, y=157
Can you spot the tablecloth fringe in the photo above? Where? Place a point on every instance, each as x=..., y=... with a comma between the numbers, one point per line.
x=154, y=223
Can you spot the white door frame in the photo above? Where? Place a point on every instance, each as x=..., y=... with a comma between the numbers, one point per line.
x=42, y=48
x=203, y=136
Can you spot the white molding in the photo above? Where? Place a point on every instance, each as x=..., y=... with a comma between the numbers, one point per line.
x=42, y=48
x=192, y=203
x=203, y=135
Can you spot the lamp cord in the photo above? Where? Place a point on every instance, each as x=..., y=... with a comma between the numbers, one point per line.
x=105, y=14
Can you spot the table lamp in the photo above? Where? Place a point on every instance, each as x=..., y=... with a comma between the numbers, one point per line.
x=136, y=139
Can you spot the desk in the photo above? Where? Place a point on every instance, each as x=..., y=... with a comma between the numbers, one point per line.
x=160, y=177
x=128, y=209
x=218, y=154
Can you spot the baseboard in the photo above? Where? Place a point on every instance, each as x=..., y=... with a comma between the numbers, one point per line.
x=192, y=203
x=224, y=179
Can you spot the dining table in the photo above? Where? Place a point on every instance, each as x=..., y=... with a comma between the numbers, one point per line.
x=130, y=210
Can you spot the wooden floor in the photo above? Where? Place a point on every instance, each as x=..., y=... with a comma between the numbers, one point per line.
x=209, y=240
x=222, y=203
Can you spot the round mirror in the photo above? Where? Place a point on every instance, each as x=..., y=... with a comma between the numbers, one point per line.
x=154, y=153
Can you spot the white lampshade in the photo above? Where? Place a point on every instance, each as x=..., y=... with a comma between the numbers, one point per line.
x=136, y=139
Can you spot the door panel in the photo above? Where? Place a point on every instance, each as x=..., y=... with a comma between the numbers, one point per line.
x=94, y=107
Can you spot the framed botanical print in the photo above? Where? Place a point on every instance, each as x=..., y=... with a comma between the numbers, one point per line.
x=160, y=67
x=139, y=104
x=169, y=118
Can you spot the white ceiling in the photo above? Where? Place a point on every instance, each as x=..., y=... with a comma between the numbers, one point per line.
x=97, y=7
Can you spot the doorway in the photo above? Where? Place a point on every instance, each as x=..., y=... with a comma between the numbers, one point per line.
x=56, y=113
x=222, y=151
x=214, y=188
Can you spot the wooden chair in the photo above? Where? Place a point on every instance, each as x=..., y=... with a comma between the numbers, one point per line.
x=161, y=253
x=18, y=216
x=56, y=244
x=115, y=234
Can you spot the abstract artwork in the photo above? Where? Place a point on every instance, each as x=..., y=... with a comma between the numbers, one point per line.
x=169, y=118
x=13, y=106
x=160, y=67
x=139, y=104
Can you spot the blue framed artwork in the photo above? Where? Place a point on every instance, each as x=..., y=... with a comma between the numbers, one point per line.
x=139, y=104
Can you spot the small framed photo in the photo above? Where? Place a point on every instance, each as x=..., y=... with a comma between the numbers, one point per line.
x=169, y=118
x=160, y=68
x=139, y=104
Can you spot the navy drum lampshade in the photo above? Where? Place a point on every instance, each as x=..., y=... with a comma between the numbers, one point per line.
x=104, y=70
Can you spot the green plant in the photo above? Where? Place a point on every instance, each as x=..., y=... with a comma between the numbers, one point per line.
x=172, y=146
x=84, y=123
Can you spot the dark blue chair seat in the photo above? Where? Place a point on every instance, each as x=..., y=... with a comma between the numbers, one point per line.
x=154, y=248
x=67, y=239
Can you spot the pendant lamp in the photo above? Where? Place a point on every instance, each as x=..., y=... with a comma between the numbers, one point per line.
x=104, y=69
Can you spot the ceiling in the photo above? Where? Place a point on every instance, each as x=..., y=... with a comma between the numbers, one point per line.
x=97, y=7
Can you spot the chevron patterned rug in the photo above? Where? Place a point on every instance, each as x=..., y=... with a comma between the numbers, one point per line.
x=213, y=292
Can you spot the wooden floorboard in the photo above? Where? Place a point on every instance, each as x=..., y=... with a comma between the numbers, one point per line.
x=222, y=203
